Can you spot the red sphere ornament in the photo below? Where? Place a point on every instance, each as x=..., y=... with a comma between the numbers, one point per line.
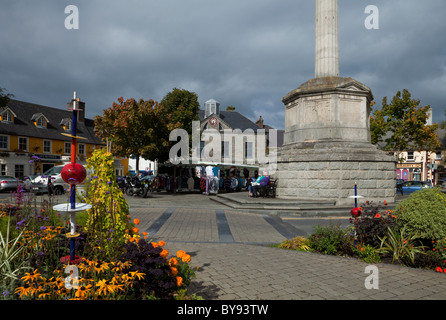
x=73, y=173
x=356, y=212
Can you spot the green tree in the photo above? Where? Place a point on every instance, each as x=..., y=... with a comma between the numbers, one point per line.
x=401, y=125
x=182, y=106
x=135, y=129
x=4, y=97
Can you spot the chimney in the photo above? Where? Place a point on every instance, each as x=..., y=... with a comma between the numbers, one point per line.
x=260, y=122
x=80, y=106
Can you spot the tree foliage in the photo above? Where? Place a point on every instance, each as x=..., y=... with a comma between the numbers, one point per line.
x=141, y=128
x=4, y=97
x=134, y=128
x=401, y=125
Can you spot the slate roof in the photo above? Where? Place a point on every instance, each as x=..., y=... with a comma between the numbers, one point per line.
x=233, y=118
x=24, y=126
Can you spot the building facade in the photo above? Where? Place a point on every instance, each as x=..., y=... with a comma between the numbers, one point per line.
x=423, y=165
x=32, y=140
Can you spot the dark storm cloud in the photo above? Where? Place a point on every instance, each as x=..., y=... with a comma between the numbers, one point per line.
x=248, y=53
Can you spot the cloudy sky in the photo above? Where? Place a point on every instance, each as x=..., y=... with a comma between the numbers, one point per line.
x=245, y=53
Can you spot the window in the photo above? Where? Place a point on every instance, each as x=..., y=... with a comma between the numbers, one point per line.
x=23, y=143
x=438, y=155
x=81, y=149
x=6, y=116
x=2, y=169
x=19, y=171
x=410, y=156
x=41, y=122
x=67, y=149
x=248, y=150
x=47, y=146
x=4, y=142
x=225, y=149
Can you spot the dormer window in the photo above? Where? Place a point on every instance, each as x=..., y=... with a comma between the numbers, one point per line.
x=66, y=124
x=6, y=115
x=39, y=120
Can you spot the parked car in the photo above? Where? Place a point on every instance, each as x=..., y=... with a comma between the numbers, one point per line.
x=409, y=187
x=57, y=185
x=9, y=183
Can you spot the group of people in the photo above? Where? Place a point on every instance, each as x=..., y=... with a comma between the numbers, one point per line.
x=258, y=184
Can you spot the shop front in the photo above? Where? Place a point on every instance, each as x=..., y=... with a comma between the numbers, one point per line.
x=409, y=171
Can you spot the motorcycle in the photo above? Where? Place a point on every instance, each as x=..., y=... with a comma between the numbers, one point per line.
x=134, y=187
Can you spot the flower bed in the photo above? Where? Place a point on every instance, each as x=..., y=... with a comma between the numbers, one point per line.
x=412, y=235
x=113, y=260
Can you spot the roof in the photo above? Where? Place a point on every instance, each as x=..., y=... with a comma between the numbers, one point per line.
x=24, y=126
x=234, y=119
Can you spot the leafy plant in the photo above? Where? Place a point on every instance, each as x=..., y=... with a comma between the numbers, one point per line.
x=401, y=245
x=373, y=223
x=13, y=257
x=332, y=240
x=368, y=253
x=108, y=218
x=297, y=243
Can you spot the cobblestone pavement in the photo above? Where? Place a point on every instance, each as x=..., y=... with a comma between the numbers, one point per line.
x=230, y=249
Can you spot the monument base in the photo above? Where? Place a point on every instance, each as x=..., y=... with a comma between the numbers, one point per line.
x=329, y=171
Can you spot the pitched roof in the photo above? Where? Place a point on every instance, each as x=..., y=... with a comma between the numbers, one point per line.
x=24, y=126
x=234, y=119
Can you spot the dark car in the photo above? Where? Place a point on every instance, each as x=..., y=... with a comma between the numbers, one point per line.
x=409, y=187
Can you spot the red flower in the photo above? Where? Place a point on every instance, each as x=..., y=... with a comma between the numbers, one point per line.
x=439, y=269
x=377, y=216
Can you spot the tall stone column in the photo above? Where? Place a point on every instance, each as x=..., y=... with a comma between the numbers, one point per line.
x=327, y=148
x=327, y=39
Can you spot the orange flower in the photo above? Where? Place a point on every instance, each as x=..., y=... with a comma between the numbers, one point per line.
x=132, y=239
x=174, y=271
x=135, y=230
x=161, y=243
x=173, y=262
x=144, y=233
x=136, y=221
x=154, y=244
x=179, y=281
x=180, y=253
x=377, y=216
x=186, y=258
x=164, y=253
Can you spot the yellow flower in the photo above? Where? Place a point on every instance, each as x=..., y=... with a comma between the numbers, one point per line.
x=83, y=291
x=25, y=290
x=137, y=274
x=31, y=276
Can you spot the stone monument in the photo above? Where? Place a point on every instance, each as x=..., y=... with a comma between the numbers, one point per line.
x=327, y=148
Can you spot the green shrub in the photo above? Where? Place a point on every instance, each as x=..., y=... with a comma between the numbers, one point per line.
x=424, y=213
x=332, y=240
